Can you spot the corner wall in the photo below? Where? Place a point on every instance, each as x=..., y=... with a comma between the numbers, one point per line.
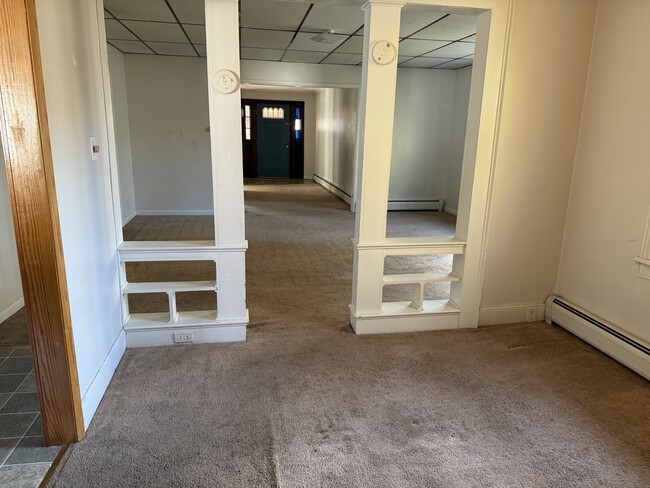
x=72, y=48
x=458, y=130
x=11, y=290
x=170, y=139
x=610, y=194
x=336, y=134
x=122, y=133
x=543, y=95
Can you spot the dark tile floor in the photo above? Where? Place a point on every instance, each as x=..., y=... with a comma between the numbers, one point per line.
x=24, y=459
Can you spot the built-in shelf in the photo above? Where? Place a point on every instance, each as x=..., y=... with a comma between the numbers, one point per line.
x=405, y=279
x=170, y=286
x=139, y=321
x=428, y=307
x=134, y=251
x=417, y=245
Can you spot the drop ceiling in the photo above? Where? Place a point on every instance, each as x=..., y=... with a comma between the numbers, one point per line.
x=282, y=31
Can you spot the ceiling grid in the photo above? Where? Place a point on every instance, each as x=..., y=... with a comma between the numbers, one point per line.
x=273, y=30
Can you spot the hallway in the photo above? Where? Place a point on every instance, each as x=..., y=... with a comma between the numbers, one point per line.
x=305, y=402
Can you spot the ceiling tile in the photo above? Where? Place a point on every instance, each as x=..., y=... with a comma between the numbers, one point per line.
x=153, y=10
x=455, y=64
x=115, y=30
x=341, y=19
x=196, y=33
x=471, y=56
x=303, y=42
x=189, y=11
x=156, y=31
x=414, y=18
x=411, y=47
x=172, y=48
x=261, y=54
x=265, y=38
x=470, y=39
x=420, y=63
x=401, y=59
x=134, y=47
x=354, y=45
x=304, y=56
x=454, y=50
x=341, y=58
x=450, y=28
x=272, y=15
x=201, y=48
x=108, y=15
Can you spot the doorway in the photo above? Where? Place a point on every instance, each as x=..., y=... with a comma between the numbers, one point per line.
x=272, y=139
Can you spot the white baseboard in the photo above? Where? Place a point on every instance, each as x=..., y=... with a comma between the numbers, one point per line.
x=415, y=205
x=95, y=392
x=11, y=309
x=128, y=218
x=451, y=211
x=175, y=212
x=202, y=335
x=329, y=186
x=509, y=314
x=603, y=335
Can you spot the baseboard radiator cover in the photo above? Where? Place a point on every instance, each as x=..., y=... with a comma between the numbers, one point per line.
x=405, y=205
x=599, y=333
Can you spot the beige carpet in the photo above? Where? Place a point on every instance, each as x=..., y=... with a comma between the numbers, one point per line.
x=306, y=403
x=14, y=331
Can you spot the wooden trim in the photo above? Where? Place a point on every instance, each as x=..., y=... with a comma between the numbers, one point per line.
x=30, y=172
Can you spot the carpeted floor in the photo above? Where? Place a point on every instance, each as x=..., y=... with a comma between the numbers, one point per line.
x=306, y=403
x=13, y=331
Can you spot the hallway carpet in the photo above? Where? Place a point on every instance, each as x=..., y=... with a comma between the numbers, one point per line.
x=306, y=403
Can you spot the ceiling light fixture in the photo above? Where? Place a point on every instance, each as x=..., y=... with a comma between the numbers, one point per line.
x=325, y=37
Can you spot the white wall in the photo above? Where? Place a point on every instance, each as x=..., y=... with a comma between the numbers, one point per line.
x=11, y=291
x=545, y=80
x=459, y=124
x=309, y=122
x=336, y=133
x=122, y=133
x=610, y=194
x=74, y=90
x=302, y=74
x=422, y=128
x=170, y=146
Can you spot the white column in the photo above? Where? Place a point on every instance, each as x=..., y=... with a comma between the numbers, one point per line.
x=222, y=33
x=382, y=21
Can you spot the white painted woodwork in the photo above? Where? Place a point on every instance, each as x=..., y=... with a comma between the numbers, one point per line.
x=368, y=314
x=377, y=108
x=169, y=286
x=404, y=279
x=228, y=322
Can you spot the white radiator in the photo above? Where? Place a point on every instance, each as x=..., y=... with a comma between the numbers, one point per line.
x=600, y=334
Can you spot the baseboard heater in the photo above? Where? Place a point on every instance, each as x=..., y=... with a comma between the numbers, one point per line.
x=601, y=334
x=396, y=205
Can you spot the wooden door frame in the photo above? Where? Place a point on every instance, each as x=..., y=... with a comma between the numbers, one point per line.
x=296, y=148
x=30, y=174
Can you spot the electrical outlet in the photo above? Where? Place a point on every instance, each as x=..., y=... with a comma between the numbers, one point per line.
x=532, y=314
x=183, y=337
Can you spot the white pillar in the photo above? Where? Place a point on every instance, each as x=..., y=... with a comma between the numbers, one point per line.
x=222, y=34
x=378, y=84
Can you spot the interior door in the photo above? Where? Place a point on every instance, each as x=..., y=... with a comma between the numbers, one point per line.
x=273, y=137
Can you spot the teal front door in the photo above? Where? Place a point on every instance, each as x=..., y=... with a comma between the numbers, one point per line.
x=273, y=133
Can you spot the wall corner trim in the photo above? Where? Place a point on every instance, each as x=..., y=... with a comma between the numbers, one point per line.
x=12, y=309
x=95, y=392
